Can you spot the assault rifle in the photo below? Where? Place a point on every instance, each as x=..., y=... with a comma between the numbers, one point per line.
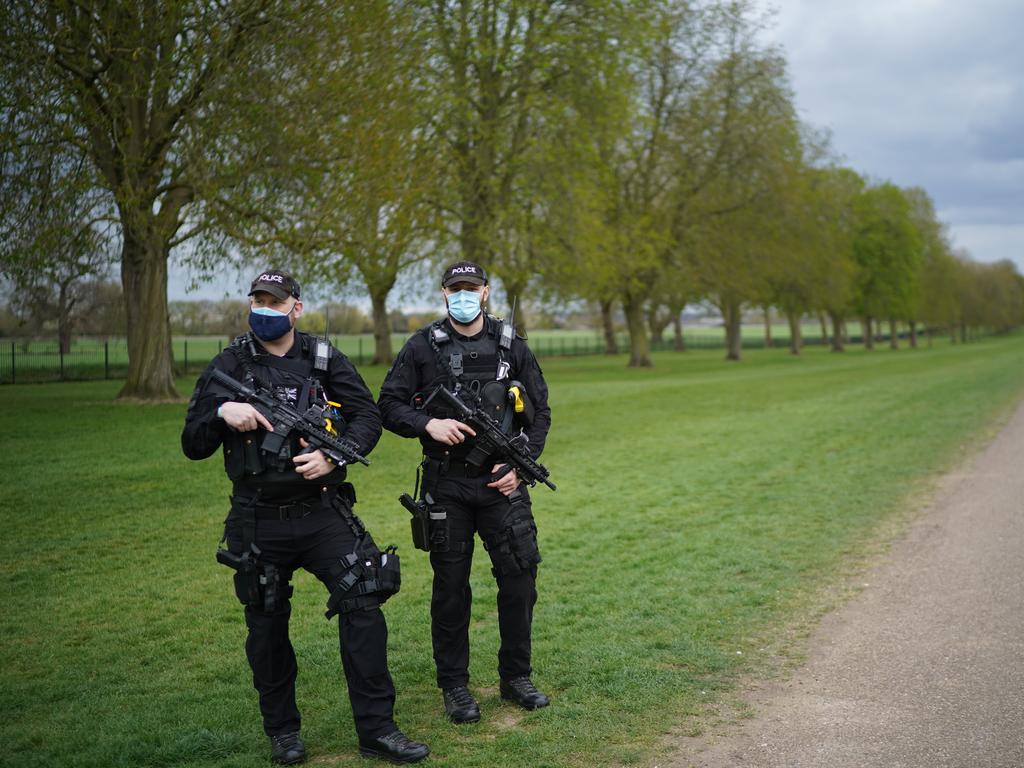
x=287, y=420
x=491, y=440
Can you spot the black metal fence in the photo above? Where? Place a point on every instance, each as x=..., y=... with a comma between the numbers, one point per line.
x=24, y=361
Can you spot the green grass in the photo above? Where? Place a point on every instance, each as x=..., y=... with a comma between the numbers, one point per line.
x=702, y=507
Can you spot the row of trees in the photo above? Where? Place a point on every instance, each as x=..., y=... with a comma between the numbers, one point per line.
x=639, y=155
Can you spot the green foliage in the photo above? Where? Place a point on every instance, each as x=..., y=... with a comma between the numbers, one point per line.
x=679, y=551
x=887, y=248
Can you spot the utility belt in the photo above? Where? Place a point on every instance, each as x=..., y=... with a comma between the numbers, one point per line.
x=449, y=467
x=292, y=511
x=290, y=508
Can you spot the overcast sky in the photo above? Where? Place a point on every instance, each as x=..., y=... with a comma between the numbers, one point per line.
x=925, y=93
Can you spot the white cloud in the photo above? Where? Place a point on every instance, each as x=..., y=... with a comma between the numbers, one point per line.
x=925, y=93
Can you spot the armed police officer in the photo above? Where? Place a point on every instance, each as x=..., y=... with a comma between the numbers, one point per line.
x=478, y=358
x=292, y=508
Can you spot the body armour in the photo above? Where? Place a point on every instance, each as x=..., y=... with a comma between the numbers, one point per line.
x=477, y=370
x=295, y=380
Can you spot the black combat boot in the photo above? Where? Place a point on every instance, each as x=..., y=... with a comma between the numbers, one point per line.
x=523, y=692
x=460, y=706
x=287, y=748
x=396, y=747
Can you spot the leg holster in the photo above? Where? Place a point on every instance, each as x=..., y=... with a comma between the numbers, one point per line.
x=364, y=579
x=513, y=548
x=258, y=584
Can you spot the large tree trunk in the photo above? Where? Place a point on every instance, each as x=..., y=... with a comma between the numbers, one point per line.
x=639, y=348
x=768, y=343
x=894, y=339
x=382, y=354
x=869, y=336
x=144, y=255
x=611, y=346
x=913, y=334
x=838, y=333
x=796, y=339
x=733, y=316
x=656, y=323
x=824, y=328
x=678, y=340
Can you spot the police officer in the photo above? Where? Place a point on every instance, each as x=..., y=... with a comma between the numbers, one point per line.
x=467, y=353
x=293, y=509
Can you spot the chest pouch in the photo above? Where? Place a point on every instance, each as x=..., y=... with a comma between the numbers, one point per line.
x=494, y=400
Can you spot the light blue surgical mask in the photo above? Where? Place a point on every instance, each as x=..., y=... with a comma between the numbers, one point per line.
x=269, y=324
x=464, y=306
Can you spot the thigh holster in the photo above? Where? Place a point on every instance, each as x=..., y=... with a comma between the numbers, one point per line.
x=364, y=579
x=513, y=549
x=258, y=585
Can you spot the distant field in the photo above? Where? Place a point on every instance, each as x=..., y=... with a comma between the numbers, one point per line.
x=702, y=508
x=40, y=360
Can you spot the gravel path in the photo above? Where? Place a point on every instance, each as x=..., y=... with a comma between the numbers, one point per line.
x=925, y=667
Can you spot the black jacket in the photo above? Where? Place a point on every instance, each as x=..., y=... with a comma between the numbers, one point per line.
x=416, y=368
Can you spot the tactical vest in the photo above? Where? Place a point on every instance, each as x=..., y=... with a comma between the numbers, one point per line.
x=295, y=380
x=477, y=370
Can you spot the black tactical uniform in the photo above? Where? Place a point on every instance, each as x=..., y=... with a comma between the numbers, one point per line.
x=296, y=523
x=480, y=368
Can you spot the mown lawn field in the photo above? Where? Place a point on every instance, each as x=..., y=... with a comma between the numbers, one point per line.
x=702, y=509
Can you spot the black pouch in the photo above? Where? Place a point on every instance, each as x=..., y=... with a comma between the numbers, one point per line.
x=389, y=573
x=523, y=541
x=234, y=461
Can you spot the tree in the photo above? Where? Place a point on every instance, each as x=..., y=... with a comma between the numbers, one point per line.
x=495, y=70
x=809, y=270
x=747, y=110
x=935, y=302
x=635, y=159
x=833, y=192
x=887, y=250
x=149, y=93
x=351, y=189
x=55, y=231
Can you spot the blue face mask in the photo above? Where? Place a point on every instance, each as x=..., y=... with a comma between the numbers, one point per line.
x=464, y=306
x=269, y=324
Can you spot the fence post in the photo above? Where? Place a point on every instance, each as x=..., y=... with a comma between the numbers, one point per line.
x=360, y=350
x=106, y=359
x=13, y=379
x=60, y=351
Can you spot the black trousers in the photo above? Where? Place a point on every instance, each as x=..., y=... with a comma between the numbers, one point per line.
x=314, y=542
x=474, y=508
